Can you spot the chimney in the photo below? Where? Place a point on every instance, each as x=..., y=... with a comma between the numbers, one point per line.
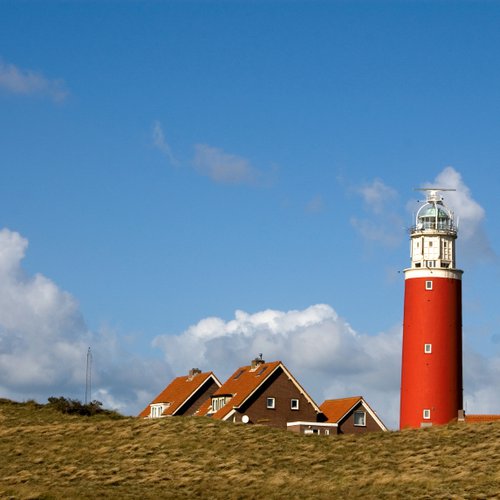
x=257, y=362
x=193, y=372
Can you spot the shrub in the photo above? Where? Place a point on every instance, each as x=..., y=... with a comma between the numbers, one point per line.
x=75, y=407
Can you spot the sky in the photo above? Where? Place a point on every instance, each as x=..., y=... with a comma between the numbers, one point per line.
x=190, y=184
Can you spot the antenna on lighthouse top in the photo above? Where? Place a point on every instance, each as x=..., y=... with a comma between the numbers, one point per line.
x=432, y=193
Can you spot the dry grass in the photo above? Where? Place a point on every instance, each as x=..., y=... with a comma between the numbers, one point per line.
x=48, y=455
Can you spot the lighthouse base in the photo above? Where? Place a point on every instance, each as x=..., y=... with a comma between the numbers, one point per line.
x=431, y=376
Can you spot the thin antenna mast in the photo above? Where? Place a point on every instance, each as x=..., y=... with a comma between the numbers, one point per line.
x=88, y=378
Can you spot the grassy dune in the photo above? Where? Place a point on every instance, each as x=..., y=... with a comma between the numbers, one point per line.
x=44, y=454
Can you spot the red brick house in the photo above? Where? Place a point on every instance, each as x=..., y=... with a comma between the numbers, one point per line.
x=351, y=416
x=183, y=396
x=261, y=393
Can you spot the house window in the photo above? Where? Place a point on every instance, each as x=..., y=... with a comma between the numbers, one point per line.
x=426, y=414
x=428, y=285
x=327, y=432
x=218, y=403
x=271, y=403
x=360, y=418
x=427, y=348
x=311, y=431
x=294, y=404
x=156, y=411
x=430, y=263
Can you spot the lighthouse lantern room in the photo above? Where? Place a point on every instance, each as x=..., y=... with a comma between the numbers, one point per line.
x=431, y=373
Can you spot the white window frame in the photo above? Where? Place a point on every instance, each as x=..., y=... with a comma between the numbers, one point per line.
x=218, y=402
x=428, y=285
x=428, y=348
x=157, y=410
x=360, y=412
x=426, y=414
x=271, y=403
x=294, y=404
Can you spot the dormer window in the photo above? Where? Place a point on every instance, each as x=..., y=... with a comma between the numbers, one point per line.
x=157, y=409
x=219, y=402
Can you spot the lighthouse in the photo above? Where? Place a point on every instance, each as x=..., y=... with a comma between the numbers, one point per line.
x=431, y=372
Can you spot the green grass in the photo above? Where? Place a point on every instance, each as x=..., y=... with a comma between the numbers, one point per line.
x=45, y=454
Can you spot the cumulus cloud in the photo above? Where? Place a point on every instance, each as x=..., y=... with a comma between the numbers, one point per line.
x=224, y=168
x=481, y=376
x=469, y=213
x=383, y=222
x=44, y=342
x=27, y=82
x=160, y=143
x=320, y=348
x=323, y=352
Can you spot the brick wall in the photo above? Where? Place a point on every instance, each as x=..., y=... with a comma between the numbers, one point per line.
x=199, y=397
x=280, y=387
x=347, y=425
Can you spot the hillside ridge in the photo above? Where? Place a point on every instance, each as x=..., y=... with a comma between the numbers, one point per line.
x=46, y=454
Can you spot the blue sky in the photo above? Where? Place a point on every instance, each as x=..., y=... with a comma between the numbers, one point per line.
x=170, y=162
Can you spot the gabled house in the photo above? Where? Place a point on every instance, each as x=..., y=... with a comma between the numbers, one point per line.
x=351, y=416
x=261, y=393
x=183, y=396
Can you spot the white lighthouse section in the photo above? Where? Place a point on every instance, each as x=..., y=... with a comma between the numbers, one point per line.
x=432, y=242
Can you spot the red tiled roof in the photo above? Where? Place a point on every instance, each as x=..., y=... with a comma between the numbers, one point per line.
x=474, y=419
x=335, y=409
x=178, y=391
x=243, y=383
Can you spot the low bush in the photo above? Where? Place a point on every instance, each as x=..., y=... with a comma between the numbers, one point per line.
x=75, y=407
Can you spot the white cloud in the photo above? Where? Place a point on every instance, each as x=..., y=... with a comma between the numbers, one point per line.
x=376, y=195
x=222, y=167
x=470, y=214
x=383, y=223
x=27, y=82
x=321, y=349
x=481, y=376
x=44, y=341
x=160, y=143
x=323, y=352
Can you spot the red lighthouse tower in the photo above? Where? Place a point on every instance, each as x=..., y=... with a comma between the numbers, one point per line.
x=431, y=373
